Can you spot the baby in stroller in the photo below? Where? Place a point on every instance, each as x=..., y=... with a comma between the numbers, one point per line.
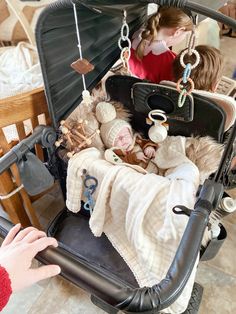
x=119, y=189
x=203, y=154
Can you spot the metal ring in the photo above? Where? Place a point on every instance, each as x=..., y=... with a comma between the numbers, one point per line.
x=180, y=88
x=195, y=52
x=159, y=113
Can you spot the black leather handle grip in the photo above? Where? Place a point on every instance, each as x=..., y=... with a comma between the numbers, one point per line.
x=182, y=4
x=44, y=135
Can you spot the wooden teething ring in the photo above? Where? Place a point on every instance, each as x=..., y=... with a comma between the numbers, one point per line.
x=179, y=87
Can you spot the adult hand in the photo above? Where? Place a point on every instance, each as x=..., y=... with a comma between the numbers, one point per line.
x=149, y=152
x=17, y=252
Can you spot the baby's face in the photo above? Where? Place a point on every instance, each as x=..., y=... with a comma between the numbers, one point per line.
x=124, y=139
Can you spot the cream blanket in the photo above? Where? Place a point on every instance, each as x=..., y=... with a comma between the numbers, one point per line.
x=135, y=210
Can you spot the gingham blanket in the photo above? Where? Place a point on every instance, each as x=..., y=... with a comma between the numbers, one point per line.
x=135, y=210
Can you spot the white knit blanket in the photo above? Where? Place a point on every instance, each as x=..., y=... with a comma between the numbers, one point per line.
x=135, y=210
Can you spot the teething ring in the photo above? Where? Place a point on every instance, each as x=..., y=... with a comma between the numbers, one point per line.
x=182, y=98
x=195, y=52
x=158, y=113
x=125, y=54
x=124, y=29
x=93, y=183
x=180, y=88
x=126, y=39
x=187, y=72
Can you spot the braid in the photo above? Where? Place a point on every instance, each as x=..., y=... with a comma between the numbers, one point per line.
x=148, y=35
x=168, y=17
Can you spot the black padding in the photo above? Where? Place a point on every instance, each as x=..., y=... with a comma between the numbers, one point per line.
x=119, y=88
x=164, y=103
x=73, y=232
x=147, y=97
x=208, y=118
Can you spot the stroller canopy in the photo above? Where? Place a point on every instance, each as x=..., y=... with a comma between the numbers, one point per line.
x=99, y=26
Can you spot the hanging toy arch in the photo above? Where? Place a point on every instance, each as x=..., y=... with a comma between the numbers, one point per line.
x=185, y=85
x=124, y=37
x=82, y=66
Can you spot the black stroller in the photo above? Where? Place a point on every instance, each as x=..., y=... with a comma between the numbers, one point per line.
x=101, y=271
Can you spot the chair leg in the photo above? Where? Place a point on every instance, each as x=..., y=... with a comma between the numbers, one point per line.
x=31, y=210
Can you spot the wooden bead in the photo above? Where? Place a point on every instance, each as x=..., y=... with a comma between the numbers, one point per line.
x=58, y=143
x=64, y=130
x=70, y=154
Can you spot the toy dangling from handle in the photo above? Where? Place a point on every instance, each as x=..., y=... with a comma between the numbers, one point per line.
x=185, y=85
x=124, y=37
x=81, y=65
x=158, y=132
x=90, y=184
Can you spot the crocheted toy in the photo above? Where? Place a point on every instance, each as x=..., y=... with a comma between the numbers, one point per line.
x=74, y=137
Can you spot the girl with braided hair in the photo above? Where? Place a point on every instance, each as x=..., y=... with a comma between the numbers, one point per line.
x=151, y=58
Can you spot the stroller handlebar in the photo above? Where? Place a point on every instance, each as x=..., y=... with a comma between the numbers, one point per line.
x=116, y=292
x=44, y=135
x=182, y=4
x=112, y=290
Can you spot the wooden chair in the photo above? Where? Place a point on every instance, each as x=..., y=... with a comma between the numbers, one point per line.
x=25, y=112
x=14, y=6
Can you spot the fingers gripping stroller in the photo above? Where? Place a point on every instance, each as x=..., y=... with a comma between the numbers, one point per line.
x=102, y=275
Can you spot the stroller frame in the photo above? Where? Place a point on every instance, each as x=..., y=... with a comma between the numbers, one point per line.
x=116, y=294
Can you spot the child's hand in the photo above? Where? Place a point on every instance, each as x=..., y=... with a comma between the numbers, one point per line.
x=17, y=252
x=141, y=156
x=150, y=152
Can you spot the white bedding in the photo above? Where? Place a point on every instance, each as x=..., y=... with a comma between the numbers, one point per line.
x=135, y=210
x=19, y=70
